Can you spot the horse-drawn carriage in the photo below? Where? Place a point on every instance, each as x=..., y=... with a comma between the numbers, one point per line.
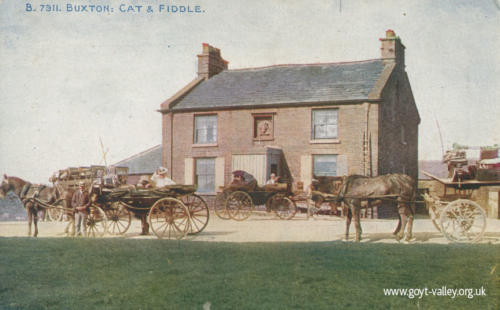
x=171, y=211
x=238, y=199
x=459, y=218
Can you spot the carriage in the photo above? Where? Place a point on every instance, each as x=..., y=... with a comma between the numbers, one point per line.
x=171, y=211
x=238, y=201
x=459, y=218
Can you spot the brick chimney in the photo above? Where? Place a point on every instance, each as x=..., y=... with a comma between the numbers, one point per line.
x=392, y=49
x=210, y=62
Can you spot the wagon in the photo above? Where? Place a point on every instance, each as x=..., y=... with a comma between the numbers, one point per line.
x=237, y=202
x=455, y=215
x=172, y=211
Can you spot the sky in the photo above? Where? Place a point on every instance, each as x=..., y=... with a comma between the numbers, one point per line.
x=69, y=80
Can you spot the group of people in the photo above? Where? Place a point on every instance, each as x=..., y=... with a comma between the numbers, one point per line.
x=80, y=201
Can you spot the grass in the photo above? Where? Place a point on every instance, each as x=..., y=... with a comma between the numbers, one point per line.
x=159, y=274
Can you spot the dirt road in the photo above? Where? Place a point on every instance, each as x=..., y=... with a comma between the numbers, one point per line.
x=259, y=228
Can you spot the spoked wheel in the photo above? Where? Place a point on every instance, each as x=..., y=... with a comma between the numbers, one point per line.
x=220, y=206
x=169, y=218
x=198, y=211
x=435, y=218
x=239, y=205
x=118, y=219
x=56, y=213
x=282, y=206
x=463, y=221
x=96, y=222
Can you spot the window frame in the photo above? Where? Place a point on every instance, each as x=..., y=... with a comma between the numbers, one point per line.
x=315, y=156
x=196, y=175
x=195, y=136
x=313, y=125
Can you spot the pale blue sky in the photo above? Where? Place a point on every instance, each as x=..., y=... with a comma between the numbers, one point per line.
x=67, y=79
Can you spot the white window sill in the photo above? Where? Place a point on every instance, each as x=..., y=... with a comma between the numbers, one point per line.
x=205, y=145
x=324, y=141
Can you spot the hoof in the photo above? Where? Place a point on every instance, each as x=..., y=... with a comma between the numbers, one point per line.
x=398, y=237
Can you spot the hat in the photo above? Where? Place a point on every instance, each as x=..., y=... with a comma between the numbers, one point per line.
x=161, y=170
x=238, y=173
x=81, y=183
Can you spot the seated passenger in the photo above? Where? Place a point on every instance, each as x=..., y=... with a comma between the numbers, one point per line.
x=244, y=179
x=273, y=179
x=144, y=182
x=160, y=178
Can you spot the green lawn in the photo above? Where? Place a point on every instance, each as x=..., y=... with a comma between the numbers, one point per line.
x=159, y=274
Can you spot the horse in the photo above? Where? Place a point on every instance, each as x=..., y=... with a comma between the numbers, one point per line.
x=21, y=187
x=357, y=189
x=326, y=184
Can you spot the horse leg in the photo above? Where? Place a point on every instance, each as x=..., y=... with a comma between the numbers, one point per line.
x=357, y=221
x=35, y=221
x=409, y=233
x=398, y=228
x=402, y=215
x=30, y=218
x=348, y=219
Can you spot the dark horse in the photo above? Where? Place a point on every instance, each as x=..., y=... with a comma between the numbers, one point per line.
x=47, y=194
x=356, y=191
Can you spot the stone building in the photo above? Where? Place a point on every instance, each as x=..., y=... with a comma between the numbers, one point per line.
x=297, y=120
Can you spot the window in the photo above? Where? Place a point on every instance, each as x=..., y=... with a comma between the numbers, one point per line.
x=205, y=129
x=205, y=175
x=263, y=127
x=324, y=124
x=325, y=165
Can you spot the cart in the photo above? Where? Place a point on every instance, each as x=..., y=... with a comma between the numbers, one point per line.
x=172, y=211
x=455, y=215
x=237, y=202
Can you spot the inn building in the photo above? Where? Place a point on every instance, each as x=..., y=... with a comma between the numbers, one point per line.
x=296, y=120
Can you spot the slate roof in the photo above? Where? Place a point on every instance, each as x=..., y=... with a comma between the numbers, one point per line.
x=145, y=162
x=285, y=84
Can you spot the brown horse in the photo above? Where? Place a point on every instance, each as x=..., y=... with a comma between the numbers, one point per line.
x=357, y=189
x=21, y=187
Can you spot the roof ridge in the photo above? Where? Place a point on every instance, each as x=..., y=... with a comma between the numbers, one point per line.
x=305, y=65
x=139, y=154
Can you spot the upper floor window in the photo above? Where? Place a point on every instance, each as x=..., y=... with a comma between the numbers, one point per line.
x=324, y=123
x=205, y=129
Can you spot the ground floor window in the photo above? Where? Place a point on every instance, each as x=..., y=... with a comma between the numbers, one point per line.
x=205, y=174
x=325, y=165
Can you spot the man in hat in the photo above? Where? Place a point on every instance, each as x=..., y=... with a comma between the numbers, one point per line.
x=80, y=203
x=243, y=178
x=160, y=178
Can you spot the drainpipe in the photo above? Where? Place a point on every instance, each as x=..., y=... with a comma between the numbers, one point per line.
x=367, y=141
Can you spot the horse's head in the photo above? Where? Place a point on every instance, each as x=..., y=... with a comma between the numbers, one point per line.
x=4, y=187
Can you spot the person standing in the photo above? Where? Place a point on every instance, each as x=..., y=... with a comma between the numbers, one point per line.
x=80, y=205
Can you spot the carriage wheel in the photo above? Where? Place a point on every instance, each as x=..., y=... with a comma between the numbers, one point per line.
x=463, y=221
x=56, y=213
x=118, y=219
x=435, y=218
x=239, y=205
x=96, y=222
x=169, y=218
x=282, y=206
x=198, y=211
x=220, y=206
